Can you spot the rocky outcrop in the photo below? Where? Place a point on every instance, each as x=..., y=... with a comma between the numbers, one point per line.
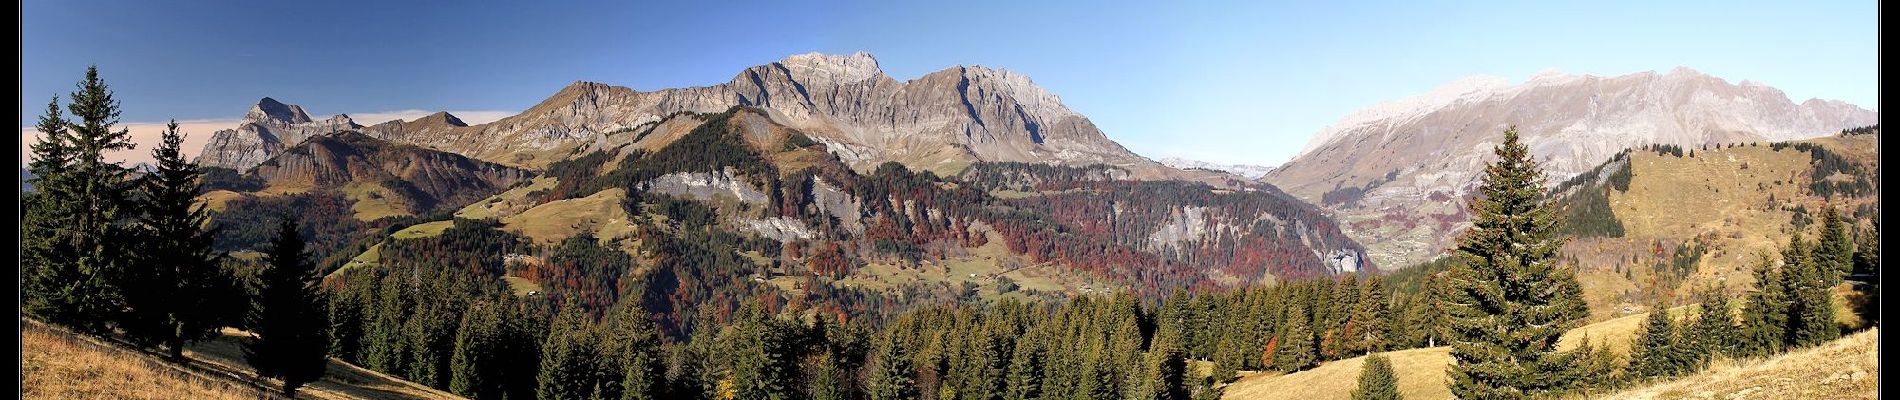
x=1397, y=174
x=267, y=129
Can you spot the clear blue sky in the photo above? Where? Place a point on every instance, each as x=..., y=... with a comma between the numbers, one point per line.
x=1248, y=81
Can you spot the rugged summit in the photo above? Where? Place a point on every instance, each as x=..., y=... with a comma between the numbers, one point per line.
x=1397, y=173
x=941, y=121
x=267, y=129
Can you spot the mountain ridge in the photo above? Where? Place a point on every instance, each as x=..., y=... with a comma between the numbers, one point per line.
x=941, y=121
x=1407, y=165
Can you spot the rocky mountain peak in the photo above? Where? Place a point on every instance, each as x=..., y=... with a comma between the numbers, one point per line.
x=269, y=110
x=855, y=67
x=441, y=118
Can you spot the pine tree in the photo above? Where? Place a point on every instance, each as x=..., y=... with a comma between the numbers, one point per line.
x=567, y=357
x=1507, y=299
x=1597, y=366
x=1207, y=390
x=1026, y=369
x=1713, y=332
x=1811, y=303
x=179, y=292
x=891, y=376
x=346, y=323
x=79, y=273
x=633, y=345
x=476, y=368
x=764, y=359
x=1834, y=255
x=288, y=327
x=1298, y=349
x=386, y=350
x=47, y=258
x=1765, y=315
x=1657, y=352
x=1367, y=329
x=1168, y=373
x=828, y=381
x=1376, y=380
x=1867, y=250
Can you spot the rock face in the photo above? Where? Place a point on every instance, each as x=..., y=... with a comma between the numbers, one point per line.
x=941, y=121
x=422, y=179
x=1397, y=174
x=267, y=129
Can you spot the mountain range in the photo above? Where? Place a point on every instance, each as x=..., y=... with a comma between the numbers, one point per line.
x=1397, y=174
x=940, y=122
x=1394, y=176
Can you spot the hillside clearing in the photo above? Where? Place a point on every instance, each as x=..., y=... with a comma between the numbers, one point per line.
x=1421, y=376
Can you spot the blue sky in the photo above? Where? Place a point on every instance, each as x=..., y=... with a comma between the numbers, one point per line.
x=1242, y=82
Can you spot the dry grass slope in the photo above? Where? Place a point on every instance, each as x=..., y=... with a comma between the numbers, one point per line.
x=1843, y=369
x=54, y=365
x=1421, y=376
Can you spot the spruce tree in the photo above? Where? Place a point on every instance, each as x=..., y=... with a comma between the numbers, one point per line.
x=47, y=258
x=764, y=358
x=80, y=244
x=1834, y=255
x=1376, y=380
x=1657, y=352
x=828, y=381
x=1507, y=299
x=476, y=367
x=1026, y=369
x=290, y=341
x=1713, y=332
x=1367, y=330
x=1765, y=315
x=568, y=356
x=180, y=291
x=633, y=345
x=1169, y=373
x=1298, y=349
x=891, y=376
x=1811, y=302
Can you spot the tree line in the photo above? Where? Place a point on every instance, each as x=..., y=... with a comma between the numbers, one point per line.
x=110, y=251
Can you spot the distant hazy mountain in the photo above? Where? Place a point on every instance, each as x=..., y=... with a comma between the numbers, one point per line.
x=1407, y=165
x=1246, y=170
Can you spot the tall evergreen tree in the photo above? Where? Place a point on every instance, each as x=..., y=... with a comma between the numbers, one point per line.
x=476, y=367
x=1713, y=332
x=180, y=291
x=1811, y=302
x=891, y=376
x=1376, y=381
x=1765, y=315
x=1168, y=373
x=633, y=345
x=1507, y=299
x=1026, y=368
x=1657, y=351
x=1834, y=255
x=81, y=246
x=1367, y=329
x=568, y=356
x=764, y=357
x=1297, y=348
x=289, y=340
